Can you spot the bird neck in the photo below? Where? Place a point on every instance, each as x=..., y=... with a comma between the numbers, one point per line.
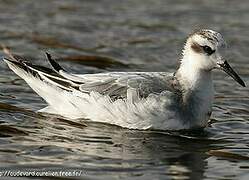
x=191, y=77
x=197, y=92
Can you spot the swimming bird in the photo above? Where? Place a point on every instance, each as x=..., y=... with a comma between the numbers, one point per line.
x=135, y=100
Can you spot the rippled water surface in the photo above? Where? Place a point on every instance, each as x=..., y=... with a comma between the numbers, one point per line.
x=144, y=35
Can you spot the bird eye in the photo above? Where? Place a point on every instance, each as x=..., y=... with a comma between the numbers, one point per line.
x=208, y=50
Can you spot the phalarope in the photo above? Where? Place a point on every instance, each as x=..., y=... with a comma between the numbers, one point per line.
x=136, y=100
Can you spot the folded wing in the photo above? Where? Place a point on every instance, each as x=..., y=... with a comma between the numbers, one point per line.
x=113, y=84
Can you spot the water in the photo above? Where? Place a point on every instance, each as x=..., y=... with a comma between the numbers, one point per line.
x=125, y=36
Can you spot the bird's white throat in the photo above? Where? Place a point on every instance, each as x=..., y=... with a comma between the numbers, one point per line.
x=191, y=73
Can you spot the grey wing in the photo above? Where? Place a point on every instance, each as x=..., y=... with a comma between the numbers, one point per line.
x=116, y=84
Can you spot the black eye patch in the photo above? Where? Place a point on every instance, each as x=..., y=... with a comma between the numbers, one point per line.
x=208, y=50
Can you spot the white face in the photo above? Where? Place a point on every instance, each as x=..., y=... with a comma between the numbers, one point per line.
x=206, y=50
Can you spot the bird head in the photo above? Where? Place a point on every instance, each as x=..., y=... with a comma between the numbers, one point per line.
x=204, y=50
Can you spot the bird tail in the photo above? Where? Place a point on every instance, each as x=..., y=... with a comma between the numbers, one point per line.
x=54, y=88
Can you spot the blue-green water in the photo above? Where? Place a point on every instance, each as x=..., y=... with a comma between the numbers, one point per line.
x=135, y=35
